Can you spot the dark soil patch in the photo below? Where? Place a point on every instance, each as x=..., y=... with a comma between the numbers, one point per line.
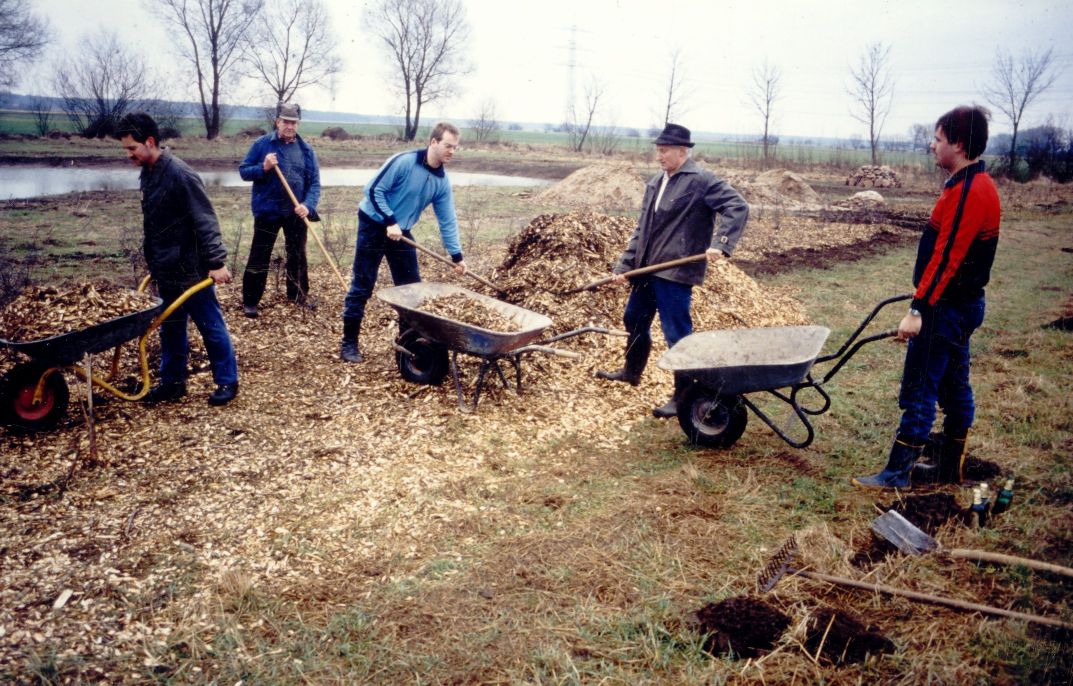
x=1061, y=324
x=981, y=470
x=840, y=637
x=873, y=552
x=742, y=626
x=928, y=511
x=826, y=257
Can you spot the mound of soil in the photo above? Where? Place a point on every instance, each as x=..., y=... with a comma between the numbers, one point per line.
x=742, y=626
x=779, y=186
x=560, y=252
x=864, y=200
x=599, y=186
x=840, y=637
x=928, y=511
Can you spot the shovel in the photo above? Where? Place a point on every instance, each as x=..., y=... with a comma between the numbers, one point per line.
x=441, y=258
x=638, y=272
x=309, y=226
x=909, y=539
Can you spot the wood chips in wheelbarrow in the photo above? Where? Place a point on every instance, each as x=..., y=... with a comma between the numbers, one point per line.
x=470, y=311
x=42, y=312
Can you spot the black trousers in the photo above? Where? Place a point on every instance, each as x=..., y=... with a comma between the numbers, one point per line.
x=255, y=277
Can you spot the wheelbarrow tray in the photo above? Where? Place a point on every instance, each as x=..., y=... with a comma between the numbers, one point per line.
x=456, y=335
x=67, y=348
x=736, y=361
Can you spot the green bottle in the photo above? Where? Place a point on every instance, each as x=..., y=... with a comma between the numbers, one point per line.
x=1004, y=498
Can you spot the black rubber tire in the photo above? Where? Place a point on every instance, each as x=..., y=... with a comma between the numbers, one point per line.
x=16, y=395
x=429, y=364
x=711, y=420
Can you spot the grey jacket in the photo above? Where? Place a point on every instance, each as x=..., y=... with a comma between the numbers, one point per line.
x=182, y=241
x=684, y=223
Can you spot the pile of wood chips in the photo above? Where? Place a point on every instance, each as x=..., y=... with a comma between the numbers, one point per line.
x=599, y=186
x=43, y=312
x=459, y=308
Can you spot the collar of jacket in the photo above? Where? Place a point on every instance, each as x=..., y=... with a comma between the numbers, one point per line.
x=964, y=172
x=422, y=159
x=688, y=167
x=297, y=138
x=158, y=167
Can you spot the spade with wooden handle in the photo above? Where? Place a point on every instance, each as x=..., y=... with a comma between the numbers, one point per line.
x=639, y=272
x=909, y=539
x=309, y=225
x=448, y=262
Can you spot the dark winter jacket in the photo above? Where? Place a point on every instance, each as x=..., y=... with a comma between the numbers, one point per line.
x=684, y=223
x=269, y=200
x=182, y=241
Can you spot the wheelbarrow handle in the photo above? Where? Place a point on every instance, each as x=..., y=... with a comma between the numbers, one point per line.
x=446, y=261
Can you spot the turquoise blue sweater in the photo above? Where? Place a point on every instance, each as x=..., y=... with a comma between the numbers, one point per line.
x=404, y=187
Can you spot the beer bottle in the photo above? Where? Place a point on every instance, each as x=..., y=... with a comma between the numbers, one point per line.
x=1003, y=499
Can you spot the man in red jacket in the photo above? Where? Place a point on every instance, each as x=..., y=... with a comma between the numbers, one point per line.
x=953, y=266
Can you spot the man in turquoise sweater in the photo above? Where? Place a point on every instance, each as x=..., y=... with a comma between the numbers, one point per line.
x=394, y=200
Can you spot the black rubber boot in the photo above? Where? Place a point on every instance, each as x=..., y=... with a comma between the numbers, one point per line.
x=670, y=408
x=947, y=465
x=900, y=463
x=637, y=349
x=348, y=350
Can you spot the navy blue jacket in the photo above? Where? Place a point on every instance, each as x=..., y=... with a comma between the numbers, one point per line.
x=269, y=199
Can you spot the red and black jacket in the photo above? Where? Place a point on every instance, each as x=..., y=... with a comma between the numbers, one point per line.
x=958, y=246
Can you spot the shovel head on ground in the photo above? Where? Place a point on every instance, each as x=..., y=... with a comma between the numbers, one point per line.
x=904, y=534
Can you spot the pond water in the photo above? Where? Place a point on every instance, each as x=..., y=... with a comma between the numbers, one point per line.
x=30, y=181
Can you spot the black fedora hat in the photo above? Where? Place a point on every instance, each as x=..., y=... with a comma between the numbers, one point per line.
x=674, y=134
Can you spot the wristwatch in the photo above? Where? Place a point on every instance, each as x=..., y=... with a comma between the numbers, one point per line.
x=915, y=312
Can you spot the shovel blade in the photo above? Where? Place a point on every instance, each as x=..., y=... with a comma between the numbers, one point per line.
x=903, y=534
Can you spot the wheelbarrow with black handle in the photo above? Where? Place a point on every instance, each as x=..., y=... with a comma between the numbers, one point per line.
x=34, y=394
x=715, y=371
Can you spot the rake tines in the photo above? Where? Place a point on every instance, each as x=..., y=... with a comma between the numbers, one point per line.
x=777, y=567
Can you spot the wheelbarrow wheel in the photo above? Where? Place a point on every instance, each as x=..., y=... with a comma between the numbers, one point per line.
x=711, y=420
x=17, y=396
x=428, y=364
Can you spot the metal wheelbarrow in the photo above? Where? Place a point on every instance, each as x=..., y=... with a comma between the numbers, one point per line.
x=715, y=370
x=427, y=346
x=34, y=395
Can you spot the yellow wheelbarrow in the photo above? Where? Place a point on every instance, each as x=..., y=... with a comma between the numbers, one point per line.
x=34, y=394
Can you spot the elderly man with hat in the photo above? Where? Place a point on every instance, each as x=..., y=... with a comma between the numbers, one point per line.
x=686, y=211
x=273, y=209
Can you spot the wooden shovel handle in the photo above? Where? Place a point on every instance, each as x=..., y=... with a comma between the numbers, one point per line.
x=309, y=225
x=984, y=556
x=934, y=599
x=446, y=261
x=642, y=271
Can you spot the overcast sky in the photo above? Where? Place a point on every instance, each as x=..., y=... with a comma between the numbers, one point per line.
x=941, y=56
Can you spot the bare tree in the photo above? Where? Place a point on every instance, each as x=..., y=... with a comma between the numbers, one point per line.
x=764, y=93
x=1015, y=83
x=920, y=135
x=424, y=40
x=23, y=36
x=210, y=37
x=485, y=123
x=872, y=87
x=42, y=111
x=291, y=46
x=100, y=84
x=675, y=90
x=580, y=127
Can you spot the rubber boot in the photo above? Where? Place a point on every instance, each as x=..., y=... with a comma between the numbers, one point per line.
x=900, y=463
x=948, y=463
x=637, y=349
x=952, y=457
x=348, y=350
x=669, y=409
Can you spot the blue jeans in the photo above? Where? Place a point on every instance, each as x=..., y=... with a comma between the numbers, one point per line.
x=671, y=299
x=204, y=309
x=372, y=247
x=937, y=371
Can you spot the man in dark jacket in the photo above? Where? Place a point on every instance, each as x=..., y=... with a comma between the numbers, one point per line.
x=182, y=245
x=678, y=219
x=273, y=208
x=953, y=265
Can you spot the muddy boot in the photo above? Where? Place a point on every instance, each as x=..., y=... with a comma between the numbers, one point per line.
x=669, y=409
x=947, y=465
x=900, y=463
x=637, y=348
x=348, y=350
